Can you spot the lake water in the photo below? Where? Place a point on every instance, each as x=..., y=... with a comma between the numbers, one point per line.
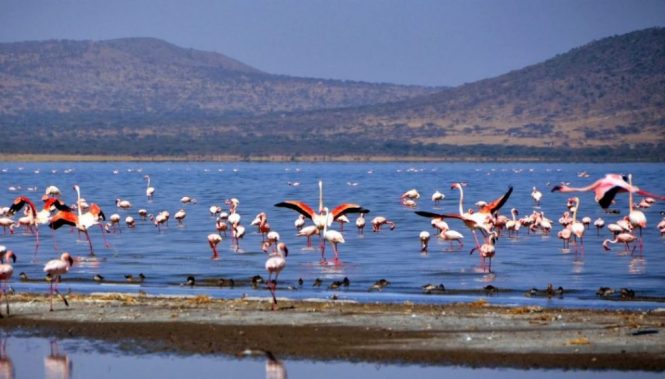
x=33, y=357
x=168, y=256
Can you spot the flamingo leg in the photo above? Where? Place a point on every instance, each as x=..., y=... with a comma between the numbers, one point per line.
x=87, y=235
x=50, y=292
x=322, y=246
x=215, y=255
x=106, y=242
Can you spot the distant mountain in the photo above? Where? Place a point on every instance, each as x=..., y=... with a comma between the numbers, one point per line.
x=146, y=78
x=604, y=100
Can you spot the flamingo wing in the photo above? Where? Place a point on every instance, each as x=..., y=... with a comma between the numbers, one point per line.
x=438, y=215
x=59, y=205
x=345, y=208
x=299, y=207
x=19, y=202
x=496, y=204
x=62, y=218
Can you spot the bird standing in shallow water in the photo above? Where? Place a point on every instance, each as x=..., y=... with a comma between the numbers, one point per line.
x=324, y=218
x=6, y=272
x=54, y=269
x=274, y=265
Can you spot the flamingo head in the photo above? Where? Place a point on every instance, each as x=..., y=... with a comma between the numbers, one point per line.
x=7, y=256
x=606, y=245
x=67, y=258
x=456, y=185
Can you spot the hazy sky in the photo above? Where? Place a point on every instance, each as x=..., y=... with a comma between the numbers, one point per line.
x=400, y=41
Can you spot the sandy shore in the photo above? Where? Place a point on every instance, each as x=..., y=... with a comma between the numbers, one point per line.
x=473, y=334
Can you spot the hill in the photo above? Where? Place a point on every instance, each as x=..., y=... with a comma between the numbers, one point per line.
x=604, y=100
x=146, y=78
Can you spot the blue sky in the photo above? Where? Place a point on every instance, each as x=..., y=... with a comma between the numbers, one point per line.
x=398, y=41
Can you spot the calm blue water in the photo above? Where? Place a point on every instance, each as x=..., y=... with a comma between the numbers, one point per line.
x=166, y=258
x=32, y=357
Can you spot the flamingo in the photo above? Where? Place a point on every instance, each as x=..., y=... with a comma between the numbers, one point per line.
x=513, y=225
x=488, y=249
x=576, y=227
x=452, y=235
x=536, y=196
x=180, y=216
x=274, y=265
x=82, y=221
x=162, y=218
x=437, y=197
x=624, y=238
x=412, y=194
x=6, y=272
x=215, y=210
x=143, y=213
x=308, y=231
x=149, y=191
x=378, y=221
x=7, y=223
x=342, y=220
x=187, y=200
x=636, y=217
x=360, y=223
x=32, y=218
x=605, y=189
x=52, y=191
x=565, y=236
x=124, y=204
x=334, y=237
x=598, y=223
x=221, y=226
x=324, y=218
x=299, y=222
x=131, y=223
x=115, y=221
x=481, y=220
x=424, y=237
x=54, y=269
x=214, y=239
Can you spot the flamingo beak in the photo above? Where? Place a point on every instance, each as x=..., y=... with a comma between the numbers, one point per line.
x=71, y=261
x=13, y=256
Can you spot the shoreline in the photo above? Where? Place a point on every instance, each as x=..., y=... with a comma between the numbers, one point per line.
x=287, y=158
x=470, y=334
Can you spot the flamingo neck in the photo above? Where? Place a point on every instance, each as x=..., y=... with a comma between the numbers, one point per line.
x=78, y=201
x=630, y=193
x=320, y=196
x=461, y=199
x=577, y=205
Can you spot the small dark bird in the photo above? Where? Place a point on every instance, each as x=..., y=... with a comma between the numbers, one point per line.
x=190, y=281
x=604, y=291
x=317, y=283
x=431, y=288
x=23, y=276
x=226, y=283
x=256, y=280
x=627, y=293
x=98, y=278
x=141, y=277
x=379, y=285
x=300, y=282
x=490, y=289
x=339, y=283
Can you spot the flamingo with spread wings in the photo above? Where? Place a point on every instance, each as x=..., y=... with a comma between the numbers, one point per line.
x=605, y=189
x=324, y=217
x=474, y=220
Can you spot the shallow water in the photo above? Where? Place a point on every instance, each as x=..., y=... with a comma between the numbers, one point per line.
x=34, y=357
x=168, y=257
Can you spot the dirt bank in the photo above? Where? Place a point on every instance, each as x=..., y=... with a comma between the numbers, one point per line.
x=468, y=334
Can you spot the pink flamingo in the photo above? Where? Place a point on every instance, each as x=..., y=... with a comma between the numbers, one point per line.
x=324, y=218
x=54, y=269
x=274, y=265
x=6, y=272
x=625, y=238
x=213, y=240
x=606, y=189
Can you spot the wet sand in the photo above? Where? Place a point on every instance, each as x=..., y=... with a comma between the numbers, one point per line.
x=472, y=334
